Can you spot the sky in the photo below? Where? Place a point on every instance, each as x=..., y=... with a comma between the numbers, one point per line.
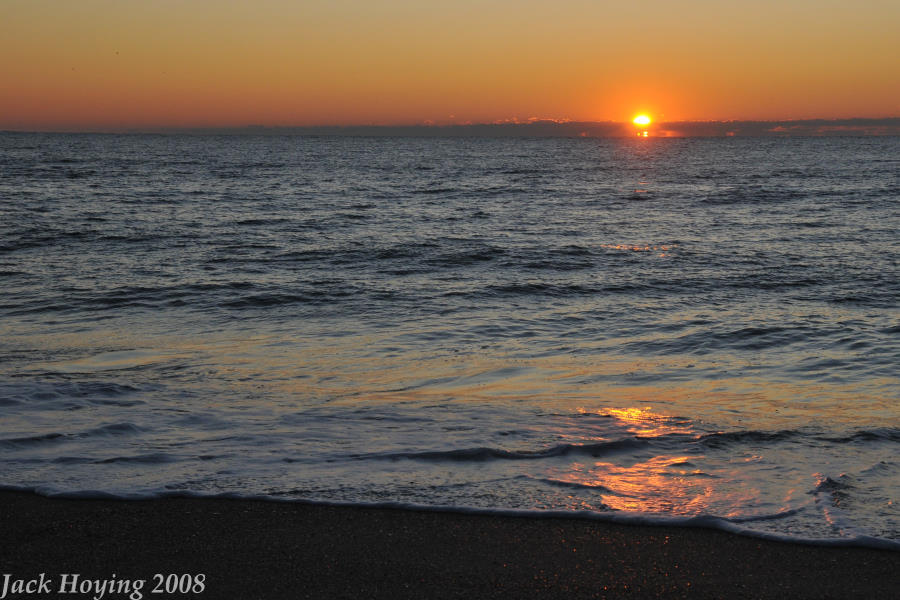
x=107, y=64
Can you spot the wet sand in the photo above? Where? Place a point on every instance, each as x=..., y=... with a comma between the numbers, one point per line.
x=270, y=550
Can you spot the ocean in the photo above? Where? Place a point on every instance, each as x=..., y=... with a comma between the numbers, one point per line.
x=697, y=331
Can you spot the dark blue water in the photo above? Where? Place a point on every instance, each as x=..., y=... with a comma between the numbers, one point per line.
x=675, y=327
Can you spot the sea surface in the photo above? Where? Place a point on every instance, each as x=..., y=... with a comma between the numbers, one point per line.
x=696, y=331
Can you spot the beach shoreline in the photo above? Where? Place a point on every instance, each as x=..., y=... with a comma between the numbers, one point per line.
x=260, y=549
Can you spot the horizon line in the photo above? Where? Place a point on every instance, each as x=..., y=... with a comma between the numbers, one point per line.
x=533, y=127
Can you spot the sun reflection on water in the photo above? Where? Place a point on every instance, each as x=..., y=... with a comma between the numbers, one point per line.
x=650, y=482
x=645, y=423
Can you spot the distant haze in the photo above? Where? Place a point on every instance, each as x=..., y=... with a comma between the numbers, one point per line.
x=100, y=65
x=814, y=127
x=538, y=129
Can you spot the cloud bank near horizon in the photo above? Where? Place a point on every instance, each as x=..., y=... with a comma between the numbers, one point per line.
x=564, y=128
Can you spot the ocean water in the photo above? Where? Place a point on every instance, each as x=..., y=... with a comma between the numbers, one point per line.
x=702, y=331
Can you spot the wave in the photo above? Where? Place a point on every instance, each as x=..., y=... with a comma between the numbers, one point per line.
x=125, y=297
x=487, y=453
x=428, y=191
x=745, y=339
x=594, y=487
x=527, y=289
x=752, y=195
x=113, y=429
x=883, y=434
x=199, y=296
x=262, y=221
x=729, y=438
x=465, y=258
x=21, y=442
x=832, y=486
x=39, y=237
x=673, y=442
x=153, y=458
x=91, y=392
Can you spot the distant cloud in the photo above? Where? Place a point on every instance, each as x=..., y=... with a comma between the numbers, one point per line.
x=561, y=127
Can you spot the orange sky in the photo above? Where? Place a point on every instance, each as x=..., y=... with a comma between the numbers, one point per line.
x=105, y=64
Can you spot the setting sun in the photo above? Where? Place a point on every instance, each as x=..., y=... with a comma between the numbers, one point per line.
x=641, y=120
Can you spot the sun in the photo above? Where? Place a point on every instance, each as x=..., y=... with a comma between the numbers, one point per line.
x=641, y=120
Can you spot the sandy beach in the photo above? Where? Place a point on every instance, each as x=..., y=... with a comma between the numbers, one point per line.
x=257, y=549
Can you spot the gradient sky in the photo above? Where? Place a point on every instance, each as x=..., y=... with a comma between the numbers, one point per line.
x=87, y=64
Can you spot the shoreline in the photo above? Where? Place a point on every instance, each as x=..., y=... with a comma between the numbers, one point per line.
x=614, y=518
x=261, y=549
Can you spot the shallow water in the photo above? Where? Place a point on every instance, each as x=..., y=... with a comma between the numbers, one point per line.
x=673, y=327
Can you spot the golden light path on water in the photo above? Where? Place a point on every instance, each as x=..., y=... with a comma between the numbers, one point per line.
x=340, y=373
x=664, y=484
x=294, y=368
